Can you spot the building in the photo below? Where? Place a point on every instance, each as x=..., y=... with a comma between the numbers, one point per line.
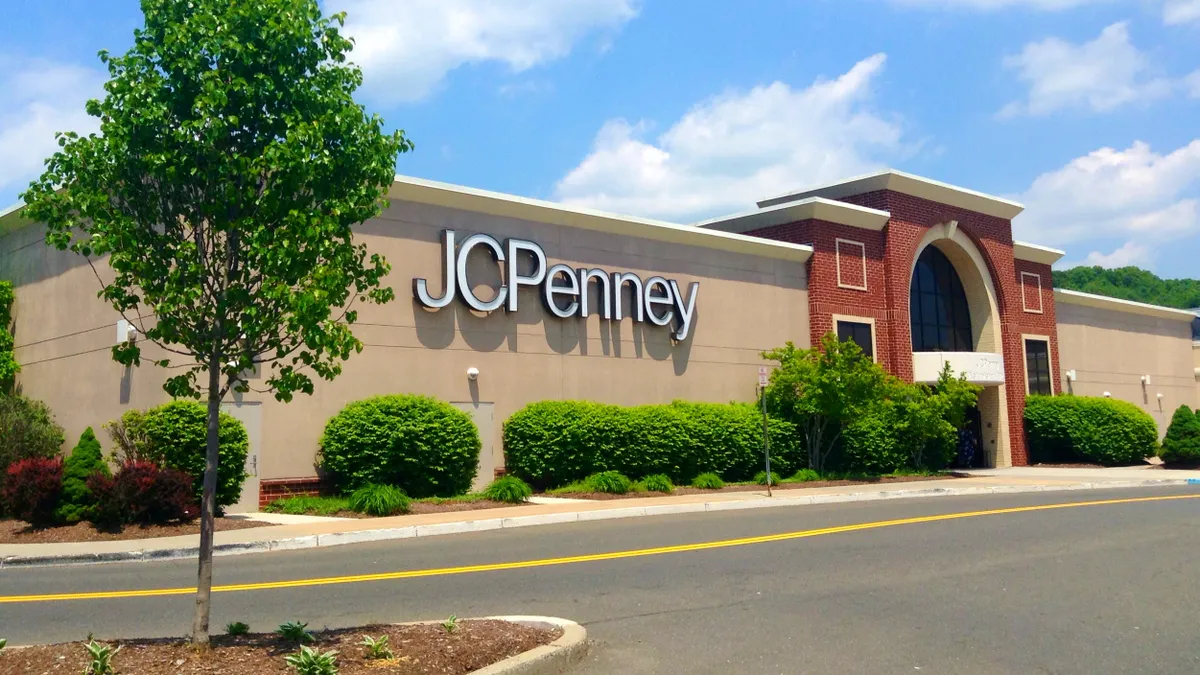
x=516, y=300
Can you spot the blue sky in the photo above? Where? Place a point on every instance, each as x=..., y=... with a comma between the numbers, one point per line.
x=1088, y=111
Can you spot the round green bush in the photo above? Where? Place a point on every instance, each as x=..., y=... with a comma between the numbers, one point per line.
x=871, y=444
x=805, y=476
x=553, y=443
x=1182, y=443
x=612, y=482
x=761, y=477
x=422, y=445
x=379, y=500
x=658, y=482
x=86, y=460
x=508, y=489
x=1090, y=429
x=27, y=431
x=177, y=438
x=710, y=481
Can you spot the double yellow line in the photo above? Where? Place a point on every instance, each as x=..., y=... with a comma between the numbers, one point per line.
x=569, y=560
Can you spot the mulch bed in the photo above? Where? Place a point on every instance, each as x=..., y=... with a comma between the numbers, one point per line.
x=417, y=508
x=419, y=650
x=681, y=490
x=20, y=532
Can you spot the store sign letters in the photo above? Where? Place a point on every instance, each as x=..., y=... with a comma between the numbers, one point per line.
x=563, y=289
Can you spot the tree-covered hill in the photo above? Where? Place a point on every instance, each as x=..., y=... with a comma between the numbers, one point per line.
x=1131, y=283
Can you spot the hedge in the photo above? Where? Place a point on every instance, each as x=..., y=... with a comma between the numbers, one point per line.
x=1087, y=428
x=1182, y=443
x=552, y=443
x=424, y=446
x=177, y=438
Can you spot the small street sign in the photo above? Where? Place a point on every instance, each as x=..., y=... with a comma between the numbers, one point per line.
x=762, y=376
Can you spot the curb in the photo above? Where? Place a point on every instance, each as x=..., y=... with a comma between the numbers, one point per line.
x=483, y=525
x=550, y=659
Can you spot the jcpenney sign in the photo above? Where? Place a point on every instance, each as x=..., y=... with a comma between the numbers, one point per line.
x=564, y=289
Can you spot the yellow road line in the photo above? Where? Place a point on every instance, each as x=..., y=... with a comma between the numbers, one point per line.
x=570, y=560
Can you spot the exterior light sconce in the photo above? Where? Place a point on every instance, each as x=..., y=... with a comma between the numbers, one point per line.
x=1145, y=380
x=1160, y=397
x=472, y=373
x=126, y=332
x=1071, y=377
x=1108, y=394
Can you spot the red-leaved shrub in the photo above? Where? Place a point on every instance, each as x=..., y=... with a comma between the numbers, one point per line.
x=32, y=488
x=143, y=493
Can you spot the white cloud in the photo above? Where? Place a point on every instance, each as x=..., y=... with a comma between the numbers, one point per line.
x=38, y=99
x=1146, y=199
x=1101, y=75
x=1177, y=12
x=1192, y=84
x=405, y=48
x=736, y=148
x=1129, y=254
x=1000, y=4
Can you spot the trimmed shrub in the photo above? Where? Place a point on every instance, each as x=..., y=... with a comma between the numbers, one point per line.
x=27, y=431
x=128, y=435
x=145, y=494
x=805, y=476
x=658, y=482
x=509, y=489
x=32, y=489
x=379, y=500
x=1089, y=429
x=709, y=481
x=85, y=461
x=612, y=482
x=1182, y=443
x=761, y=477
x=552, y=443
x=177, y=434
x=425, y=446
x=871, y=444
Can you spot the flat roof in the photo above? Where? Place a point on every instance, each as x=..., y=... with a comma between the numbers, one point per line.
x=817, y=208
x=1116, y=304
x=909, y=184
x=1023, y=250
x=424, y=191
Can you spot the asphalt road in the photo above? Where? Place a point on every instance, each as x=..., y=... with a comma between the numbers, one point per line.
x=1096, y=589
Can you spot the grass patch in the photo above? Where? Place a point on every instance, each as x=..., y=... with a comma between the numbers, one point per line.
x=303, y=505
x=469, y=498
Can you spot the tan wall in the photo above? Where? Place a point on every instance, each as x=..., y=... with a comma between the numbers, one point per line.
x=1111, y=350
x=746, y=304
x=1196, y=357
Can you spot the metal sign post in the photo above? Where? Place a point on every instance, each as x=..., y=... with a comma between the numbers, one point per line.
x=762, y=394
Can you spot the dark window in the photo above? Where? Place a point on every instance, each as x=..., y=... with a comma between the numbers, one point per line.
x=937, y=305
x=859, y=334
x=1037, y=366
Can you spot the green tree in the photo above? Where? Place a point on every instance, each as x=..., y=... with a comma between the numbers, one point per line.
x=231, y=166
x=1131, y=283
x=86, y=460
x=8, y=360
x=1182, y=442
x=27, y=430
x=822, y=390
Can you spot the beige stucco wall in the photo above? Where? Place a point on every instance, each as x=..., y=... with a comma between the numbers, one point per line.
x=1111, y=350
x=1196, y=358
x=746, y=304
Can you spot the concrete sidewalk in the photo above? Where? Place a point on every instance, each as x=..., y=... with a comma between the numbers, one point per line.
x=321, y=532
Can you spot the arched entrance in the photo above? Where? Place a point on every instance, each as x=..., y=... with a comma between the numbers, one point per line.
x=955, y=318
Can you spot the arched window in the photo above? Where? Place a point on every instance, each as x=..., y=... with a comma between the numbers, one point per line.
x=937, y=306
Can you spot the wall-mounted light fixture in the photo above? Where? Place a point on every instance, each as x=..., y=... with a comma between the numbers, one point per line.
x=1145, y=380
x=1071, y=377
x=472, y=373
x=1108, y=394
x=126, y=332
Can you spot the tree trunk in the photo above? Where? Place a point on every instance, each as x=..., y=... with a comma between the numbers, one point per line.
x=208, y=499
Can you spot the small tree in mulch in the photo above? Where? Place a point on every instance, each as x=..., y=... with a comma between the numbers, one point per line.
x=1182, y=443
x=86, y=460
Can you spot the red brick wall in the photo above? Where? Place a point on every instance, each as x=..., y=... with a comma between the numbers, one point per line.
x=890, y=258
x=270, y=490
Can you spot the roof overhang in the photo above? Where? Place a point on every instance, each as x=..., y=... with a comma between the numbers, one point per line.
x=13, y=218
x=423, y=191
x=1036, y=253
x=812, y=208
x=906, y=183
x=1062, y=295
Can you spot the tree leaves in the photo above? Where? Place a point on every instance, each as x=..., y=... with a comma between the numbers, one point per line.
x=231, y=166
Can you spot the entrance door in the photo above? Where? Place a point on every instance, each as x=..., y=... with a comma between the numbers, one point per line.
x=250, y=415
x=971, y=453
